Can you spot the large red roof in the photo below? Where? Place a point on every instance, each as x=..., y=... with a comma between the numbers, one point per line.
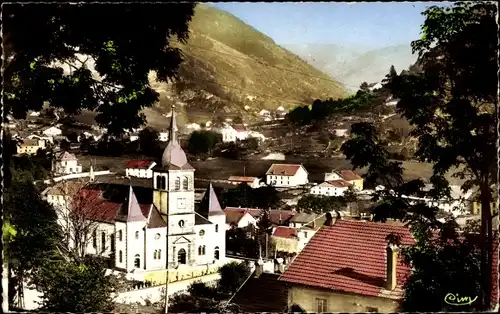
x=139, y=164
x=349, y=256
x=285, y=232
x=283, y=169
x=349, y=175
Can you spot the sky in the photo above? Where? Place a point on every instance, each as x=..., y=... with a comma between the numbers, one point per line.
x=370, y=24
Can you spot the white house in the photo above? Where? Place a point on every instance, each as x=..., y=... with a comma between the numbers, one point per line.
x=264, y=113
x=347, y=175
x=140, y=168
x=142, y=239
x=66, y=163
x=52, y=131
x=341, y=132
x=163, y=136
x=133, y=137
x=193, y=126
x=239, y=217
x=233, y=133
x=331, y=188
x=253, y=182
x=286, y=175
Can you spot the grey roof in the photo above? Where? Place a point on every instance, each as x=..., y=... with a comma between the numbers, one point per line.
x=200, y=220
x=210, y=205
x=303, y=217
x=131, y=210
x=173, y=153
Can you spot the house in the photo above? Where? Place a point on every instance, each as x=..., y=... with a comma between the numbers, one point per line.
x=334, y=273
x=66, y=163
x=133, y=137
x=264, y=113
x=301, y=219
x=234, y=133
x=52, y=131
x=286, y=175
x=47, y=139
x=135, y=236
x=253, y=182
x=140, y=168
x=475, y=204
x=242, y=217
x=341, y=132
x=346, y=175
x=331, y=188
x=285, y=240
x=30, y=146
x=163, y=136
x=262, y=292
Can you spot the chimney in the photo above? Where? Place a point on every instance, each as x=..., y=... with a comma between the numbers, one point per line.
x=329, y=220
x=392, y=259
x=259, y=268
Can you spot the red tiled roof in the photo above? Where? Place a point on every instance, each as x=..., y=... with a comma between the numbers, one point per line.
x=241, y=179
x=340, y=257
x=233, y=217
x=283, y=169
x=65, y=156
x=349, y=175
x=285, y=232
x=139, y=164
x=339, y=183
x=278, y=217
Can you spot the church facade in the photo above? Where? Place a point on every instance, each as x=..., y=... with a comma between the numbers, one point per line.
x=167, y=234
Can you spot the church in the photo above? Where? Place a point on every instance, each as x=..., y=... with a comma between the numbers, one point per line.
x=170, y=232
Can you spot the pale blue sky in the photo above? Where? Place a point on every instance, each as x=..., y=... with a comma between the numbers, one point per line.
x=372, y=24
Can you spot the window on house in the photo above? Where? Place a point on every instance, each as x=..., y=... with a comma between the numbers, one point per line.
x=137, y=261
x=137, y=235
x=321, y=305
x=158, y=182
x=216, y=253
x=163, y=183
x=94, y=239
x=120, y=255
x=103, y=241
x=305, y=234
x=177, y=184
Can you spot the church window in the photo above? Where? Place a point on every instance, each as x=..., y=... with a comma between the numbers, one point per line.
x=157, y=236
x=181, y=203
x=159, y=182
x=181, y=223
x=216, y=253
x=120, y=235
x=155, y=254
x=203, y=250
x=200, y=250
x=120, y=255
x=137, y=261
x=159, y=254
x=216, y=228
x=177, y=184
x=202, y=233
x=163, y=183
x=137, y=235
x=185, y=183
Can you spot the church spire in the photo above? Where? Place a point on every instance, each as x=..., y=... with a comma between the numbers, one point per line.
x=173, y=127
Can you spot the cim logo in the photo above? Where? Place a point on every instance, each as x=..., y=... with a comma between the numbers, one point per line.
x=457, y=300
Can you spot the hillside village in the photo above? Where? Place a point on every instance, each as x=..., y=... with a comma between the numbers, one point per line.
x=213, y=198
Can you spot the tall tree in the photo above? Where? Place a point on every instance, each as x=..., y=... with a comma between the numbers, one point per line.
x=451, y=105
x=149, y=142
x=41, y=40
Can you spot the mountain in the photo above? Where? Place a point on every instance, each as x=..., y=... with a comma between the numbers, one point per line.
x=229, y=65
x=353, y=65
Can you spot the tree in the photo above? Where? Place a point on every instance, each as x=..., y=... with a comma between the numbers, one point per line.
x=364, y=87
x=202, y=142
x=40, y=40
x=266, y=197
x=79, y=213
x=149, y=142
x=232, y=276
x=451, y=105
x=65, y=145
x=70, y=286
x=319, y=204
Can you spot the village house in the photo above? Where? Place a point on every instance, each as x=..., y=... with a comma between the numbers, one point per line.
x=163, y=136
x=140, y=168
x=242, y=217
x=52, y=131
x=135, y=237
x=30, y=146
x=342, y=132
x=133, y=137
x=475, y=204
x=234, y=133
x=334, y=273
x=346, y=175
x=287, y=175
x=331, y=188
x=66, y=163
x=252, y=182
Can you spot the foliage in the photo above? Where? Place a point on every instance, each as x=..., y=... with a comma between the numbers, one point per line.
x=203, y=142
x=450, y=104
x=238, y=241
x=320, y=204
x=38, y=166
x=232, y=276
x=65, y=145
x=70, y=286
x=245, y=196
x=200, y=289
x=39, y=40
x=148, y=141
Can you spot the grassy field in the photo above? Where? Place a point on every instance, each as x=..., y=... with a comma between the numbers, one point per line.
x=221, y=169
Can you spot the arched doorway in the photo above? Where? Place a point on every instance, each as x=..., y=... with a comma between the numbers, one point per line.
x=181, y=256
x=216, y=253
x=137, y=261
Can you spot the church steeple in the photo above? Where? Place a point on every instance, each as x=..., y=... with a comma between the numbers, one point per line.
x=174, y=155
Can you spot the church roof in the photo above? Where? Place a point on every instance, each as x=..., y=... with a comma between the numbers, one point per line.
x=209, y=205
x=130, y=210
x=174, y=155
